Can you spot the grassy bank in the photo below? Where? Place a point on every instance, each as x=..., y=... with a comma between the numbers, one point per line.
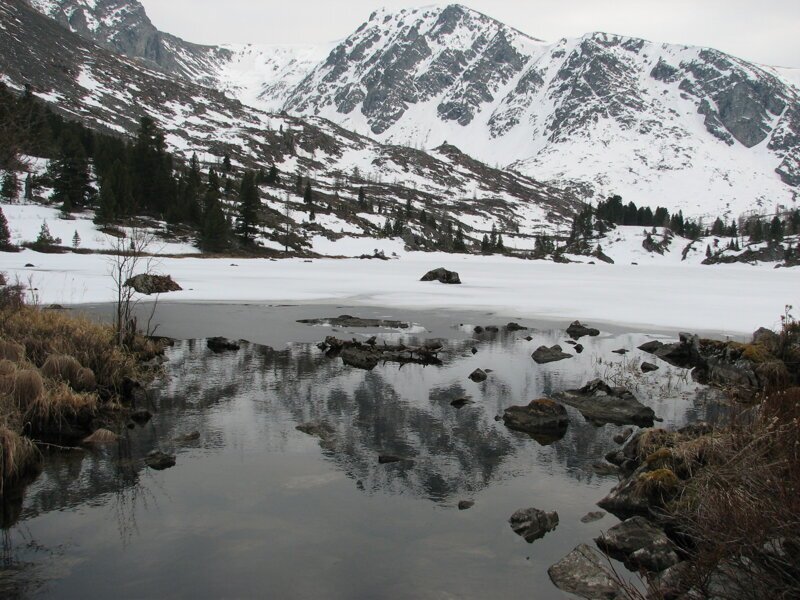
x=60, y=376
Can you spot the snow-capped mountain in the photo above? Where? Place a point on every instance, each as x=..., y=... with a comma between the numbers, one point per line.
x=112, y=92
x=683, y=127
x=679, y=126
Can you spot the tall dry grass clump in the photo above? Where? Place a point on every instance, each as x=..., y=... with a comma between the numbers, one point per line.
x=741, y=509
x=65, y=368
x=18, y=457
x=11, y=351
x=28, y=389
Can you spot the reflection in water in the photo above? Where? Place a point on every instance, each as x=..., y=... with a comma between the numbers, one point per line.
x=246, y=405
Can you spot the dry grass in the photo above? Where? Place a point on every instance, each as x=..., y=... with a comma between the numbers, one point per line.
x=11, y=351
x=741, y=507
x=28, y=389
x=18, y=457
x=45, y=334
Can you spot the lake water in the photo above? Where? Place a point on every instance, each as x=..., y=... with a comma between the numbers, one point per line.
x=256, y=509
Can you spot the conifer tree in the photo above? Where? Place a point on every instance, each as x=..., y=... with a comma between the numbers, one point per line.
x=5, y=234
x=29, y=185
x=486, y=244
x=308, y=194
x=76, y=240
x=776, y=229
x=249, y=205
x=70, y=174
x=362, y=198
x=9, y=191
x=45, y=238
x=226, y=163
x=215, y=232
x=272, y=177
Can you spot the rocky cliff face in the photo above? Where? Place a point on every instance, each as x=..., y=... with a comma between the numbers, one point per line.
x=686, y=127
x=112, y=92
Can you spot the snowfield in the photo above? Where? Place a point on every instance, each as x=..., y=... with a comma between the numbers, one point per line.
x=729, y=299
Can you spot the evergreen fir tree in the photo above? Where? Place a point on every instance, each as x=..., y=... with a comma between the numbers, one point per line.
x=387, y=228
x=458, y=244
x=76, y=240
x=486, y=245
x=298, y=185
x=29, y=187
x=500, y=245
x=272, y=177
x=362, y=198
x=493, y=239
x=215, y=232
x=708, y=251
x=70, y=174
x=249, y=205
x=226, y=163
x=308, y=194
x=5, y=234
x=9, y=191
x=45, y=238
x=776, y=229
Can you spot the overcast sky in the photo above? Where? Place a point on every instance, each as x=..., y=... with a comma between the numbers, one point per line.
x=765, y=31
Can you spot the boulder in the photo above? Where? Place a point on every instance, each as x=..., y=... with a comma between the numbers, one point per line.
x=544, y=355
x=186, y=438
x=442, y=275
x=360, y=358
x=577, y=330
x=149, y=284
x=651, y=347
x=648, y=367
x=532, y=523
x=385, y=459
x=159, y=461
x=639, y=544
x=318, y=429
x=465, y=504
x=599, y=403
x=579, y=348
x=582, y=572
x=515, y=327
x=541, y=416
x=221, y=344
x=478, y=375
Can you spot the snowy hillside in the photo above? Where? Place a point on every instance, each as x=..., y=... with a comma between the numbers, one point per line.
x=688, y=128
x=684, y=127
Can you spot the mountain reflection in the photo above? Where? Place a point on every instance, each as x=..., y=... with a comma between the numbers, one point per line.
x=254, y=399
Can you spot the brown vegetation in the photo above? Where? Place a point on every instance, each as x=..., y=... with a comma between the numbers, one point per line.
x=57, y=372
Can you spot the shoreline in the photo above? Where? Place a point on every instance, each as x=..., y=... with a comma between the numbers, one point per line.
x=728, y=300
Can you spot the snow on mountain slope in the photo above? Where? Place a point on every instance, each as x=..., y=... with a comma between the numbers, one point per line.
x=263, y=76
x=113, y=92
x=684, y=127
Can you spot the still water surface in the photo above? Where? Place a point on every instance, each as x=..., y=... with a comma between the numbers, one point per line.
x=256, y=509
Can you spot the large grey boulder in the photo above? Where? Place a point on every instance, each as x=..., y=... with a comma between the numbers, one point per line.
x=583, y=572
x=639, y=544
x=148, y=284
x=600, y=403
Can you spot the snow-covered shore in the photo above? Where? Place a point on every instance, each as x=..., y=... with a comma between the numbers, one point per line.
x=734, y=299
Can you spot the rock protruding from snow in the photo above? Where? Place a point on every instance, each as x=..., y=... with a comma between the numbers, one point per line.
x=442, y=275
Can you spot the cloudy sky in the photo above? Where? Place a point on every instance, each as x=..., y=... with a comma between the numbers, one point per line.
x=765, y=31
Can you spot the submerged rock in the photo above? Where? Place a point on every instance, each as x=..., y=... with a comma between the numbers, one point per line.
x=186, y=438
x=593, y=516
x=465, y=504
x=582, y=572
x=141, y=417
x=356, y=322
x=442, y=275
x=577, y=330
x=544, y=355
x=515, y=327
x=460, y=402
x=532, y=523
x=541, y=416
x=600, y=403
x=639, y=544
x=159, y=461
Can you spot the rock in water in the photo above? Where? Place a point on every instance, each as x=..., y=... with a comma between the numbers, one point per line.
x=577, y=330
x=153, y=284
x=582, y=572
x=532, y=523
x=140, y=417
x=639, y=544
x=593, y=516
x=649, y=367
x=478, y=375
x=540, y=416
x=544, y=355
x=443, y=276
x=600, y=403
x=465, y=504
x=159, y=461
x=221, y=344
